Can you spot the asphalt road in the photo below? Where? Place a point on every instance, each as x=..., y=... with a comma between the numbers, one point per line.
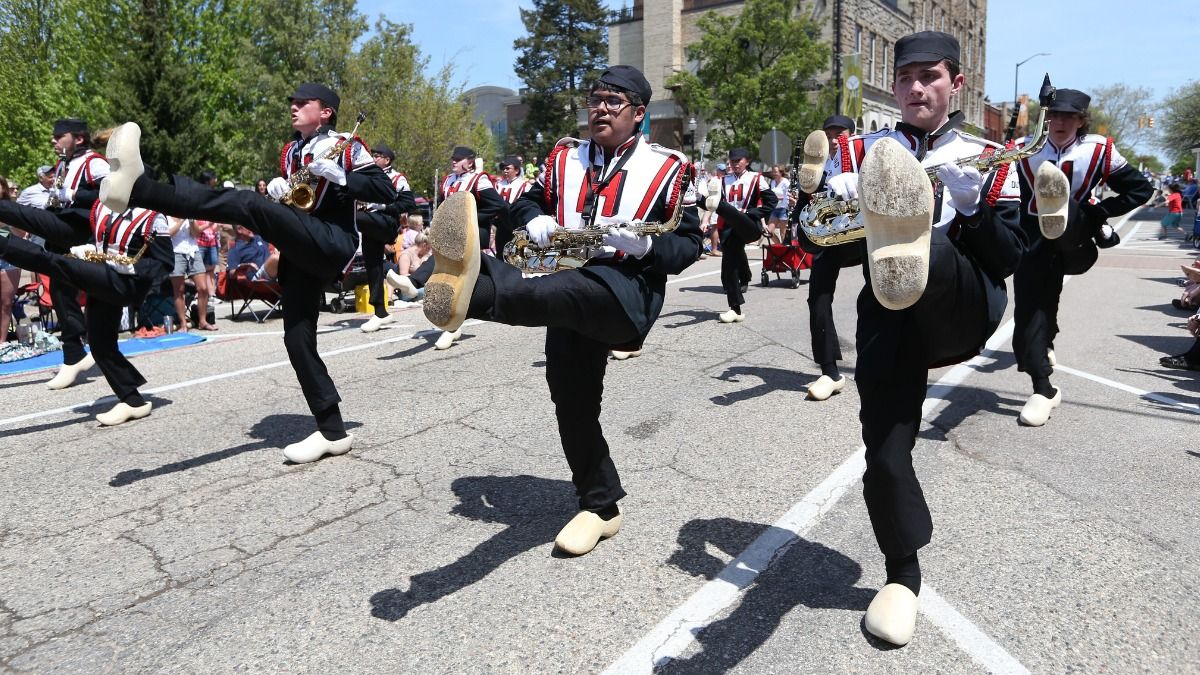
x=183, y=542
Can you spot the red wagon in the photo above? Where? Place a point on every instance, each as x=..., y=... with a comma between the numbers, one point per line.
x=784, y=258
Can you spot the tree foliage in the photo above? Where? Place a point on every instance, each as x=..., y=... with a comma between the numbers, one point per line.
x=1115, y=110
x=1179, y=121
x=208, y=80
x=566, y=47
x=752, y=73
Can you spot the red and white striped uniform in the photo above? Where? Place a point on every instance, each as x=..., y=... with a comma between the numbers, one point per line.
x=294, y=156
x=472, y=181
x=1087, y=162
x=947, y=148
x=510, y=190
x=82, y=171
x=125, y=233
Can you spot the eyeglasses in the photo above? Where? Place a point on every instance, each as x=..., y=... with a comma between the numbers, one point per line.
x=612, y=103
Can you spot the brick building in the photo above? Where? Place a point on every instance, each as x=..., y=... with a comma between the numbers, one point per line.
x=653, y=34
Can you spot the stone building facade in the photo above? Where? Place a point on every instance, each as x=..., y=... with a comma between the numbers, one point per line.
x=653, y=35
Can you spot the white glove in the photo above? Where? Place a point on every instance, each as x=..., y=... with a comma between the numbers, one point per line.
x=713, y=200
x=844, y=185
x=625, y=240
x=539, y=229
x=277, y=188
x=964, y=185
x=65, y=195
x=82, y=250
x=329, y=170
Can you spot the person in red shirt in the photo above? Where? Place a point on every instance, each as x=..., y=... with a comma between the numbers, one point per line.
x=1174, y=201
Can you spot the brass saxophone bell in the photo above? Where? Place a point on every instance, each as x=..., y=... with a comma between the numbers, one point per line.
x=302, y=196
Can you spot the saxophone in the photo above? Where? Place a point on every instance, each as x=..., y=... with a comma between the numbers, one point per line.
x=828, y=220
x=570, y=249
x=60, y=180
x=301, y=193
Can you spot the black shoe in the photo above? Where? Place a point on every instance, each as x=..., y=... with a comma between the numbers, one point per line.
x=1179, y=362
x=1178, y=304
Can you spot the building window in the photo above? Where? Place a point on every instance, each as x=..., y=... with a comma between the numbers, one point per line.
x=887, y=66
x=858, y=39
x=871, y=62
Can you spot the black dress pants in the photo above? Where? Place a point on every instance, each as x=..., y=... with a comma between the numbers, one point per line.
x=735, y=267
x=378, y=230
x=108, y=292
x=822, y=282
x=895, y=351
x=313, y=253
x=583, y=319
x=61, y=230
x=1037, y=287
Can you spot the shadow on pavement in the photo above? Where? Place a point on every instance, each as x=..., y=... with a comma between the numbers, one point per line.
x=273, y=431
x=718, y=290
x=429, y=339
x=968, y=401
x=773, y=379
x=528, y=505
x=698, y=316
x=807, y=574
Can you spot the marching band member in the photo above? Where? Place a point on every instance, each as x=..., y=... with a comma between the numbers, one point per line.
x=379, y=223
x=1064, y=239
x=316, y=245
x=614, y=177
x=827, y=264
x=491, y=209
x=744, y=201
x=511, y=183
x=78, y=168
x=935, y=295
x=110, y=285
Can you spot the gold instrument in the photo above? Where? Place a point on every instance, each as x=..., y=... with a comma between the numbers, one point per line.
x=301, y=193
x=570, y=249
x=828, y=220
x=60, y=180
x=102, y=257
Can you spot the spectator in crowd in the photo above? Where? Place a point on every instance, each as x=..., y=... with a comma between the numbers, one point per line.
x=414, y=226
x=261, y=187
x=777, y=225
x=412, y=257
x=1189, y=360
x=248, y=248
x=36, y=195
x=1190, y=188
x=1173, y=198
x=188, y=265
x=10, y=276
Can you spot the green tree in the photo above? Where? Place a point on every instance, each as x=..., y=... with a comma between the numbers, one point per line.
x=421, y=117
x=751, y=71
x=1115, y=110
x=1179, y=121
x=566, y=47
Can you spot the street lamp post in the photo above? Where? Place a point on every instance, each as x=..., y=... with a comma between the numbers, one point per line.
x=1017, y=75
x=692, y=134
x=538, y=139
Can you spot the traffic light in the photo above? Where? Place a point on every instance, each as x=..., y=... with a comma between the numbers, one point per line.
x=1142, y=122
x=1150, y=122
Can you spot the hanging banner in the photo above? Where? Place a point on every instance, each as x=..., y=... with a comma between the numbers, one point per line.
x=852, y=86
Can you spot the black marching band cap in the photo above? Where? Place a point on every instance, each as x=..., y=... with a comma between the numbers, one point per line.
x=70, y=125
x=630, y=78
x=1069, y=100
x=739, y=153
x=838, y=122
x=924, y=46
x=462, y=152
x=383, y=149
x=311, y=90
x=509, y=161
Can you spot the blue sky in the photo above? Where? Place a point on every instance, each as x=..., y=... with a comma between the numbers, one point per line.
x=1091, y=43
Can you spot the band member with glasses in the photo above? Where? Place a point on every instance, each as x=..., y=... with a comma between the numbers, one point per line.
x=379, y=223
x=63, y=224
x=827, y=264
x=1065, y=242
x=613, y=178
x=142, y=237
x=316, y=246
x=936, y=263
x=744, y=200
x=491, y=210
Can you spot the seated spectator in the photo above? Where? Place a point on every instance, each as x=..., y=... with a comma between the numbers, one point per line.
x=247, y=247
x=415, y=225
x=1190, y=188
x=1189, y=360
x=411, y=258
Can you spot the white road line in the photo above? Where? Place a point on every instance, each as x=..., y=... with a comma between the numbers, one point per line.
x=1190, y=407
x=968, y=636
x=680, y=280
x=675, y=633
x=223, y=376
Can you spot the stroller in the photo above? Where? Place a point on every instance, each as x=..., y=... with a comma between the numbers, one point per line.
x=343, y=288
x=785, y=258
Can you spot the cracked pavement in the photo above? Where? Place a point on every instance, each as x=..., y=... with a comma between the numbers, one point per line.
x=182, y=542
